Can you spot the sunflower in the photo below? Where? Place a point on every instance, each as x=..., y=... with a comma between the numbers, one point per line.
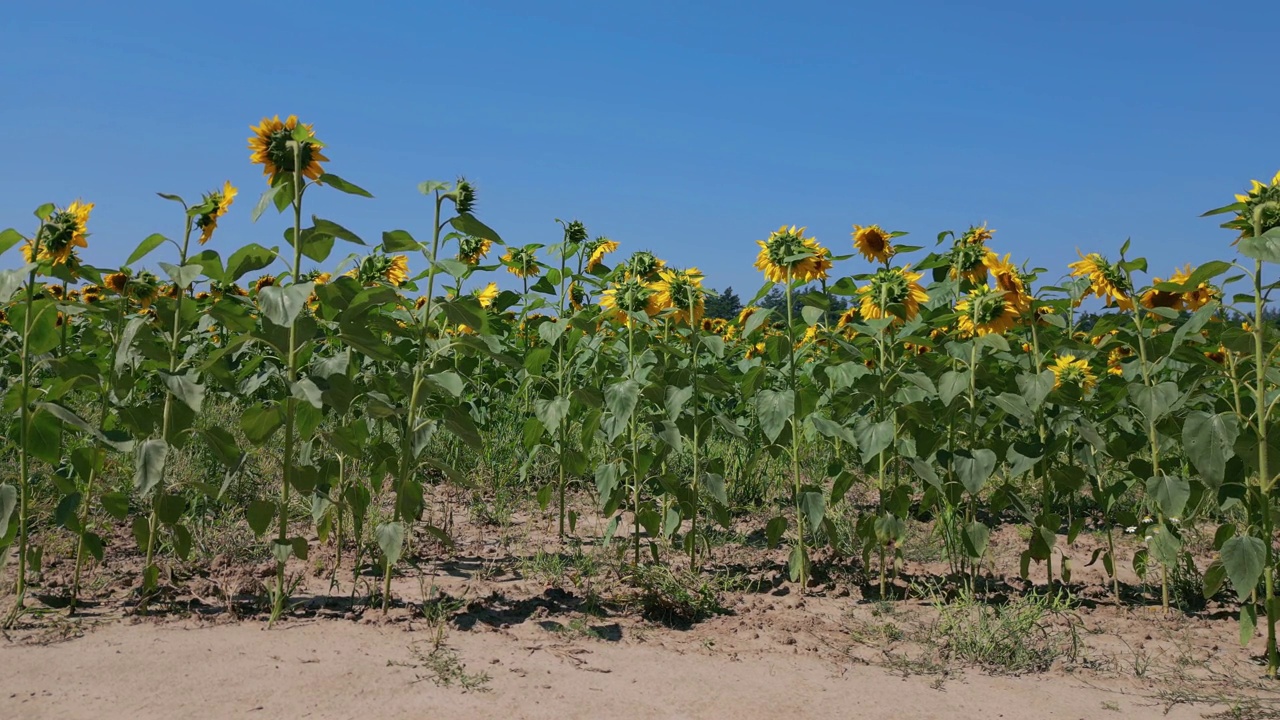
x=471, y=250
x=264, y=281
x=522, y=262
x=575, y=232
x=1116, y=358
x=216, y=203
x=681, y=290
x=1010, y=281
x=143, y=289
x=61, y=234
x=376, y=268
x=1067, y=369
x=1105, y=280
x=969, y=254
x=1153, y=298
x=596, y=251
x=577, y=296
x=627, y=296
x=463, y=196
x=116, y=282
x=91, y=294
x=644, y=265
x=1265, y=197
x=847, y=316
x=756, y=350
x=788, y=255
x=985, y=310
x=1202, y=295
x=890, y=287
x=270, y=146
x=487, y=295
x=875, y=244
x=397, y=271
x=1218, y=356
x=746, y=313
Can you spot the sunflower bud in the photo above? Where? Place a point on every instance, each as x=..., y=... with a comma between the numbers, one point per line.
x=463, y=196
x=575, y=232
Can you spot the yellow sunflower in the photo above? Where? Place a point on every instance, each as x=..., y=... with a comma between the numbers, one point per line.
x=1153, y=298
x=596, y=251
x=264, y=281
x=968, y=255
x=644, y=265
x=116, y=282
x=488, y=295
x=787, y=253
x=1010, y=281
x=270, y=146
x=471, y=250
x=891, y=287
x=522, y=262
x=1116, y=358
x=218, y=202
x=61, y=234
x=629, y=295
x=682, y=291
x=1105, y=280
x=1202, y=295
x=746, y=313
x=1261, y=196
x=985, y=310
x=1068, y=370
x=847, y=316
x=397, y=271
x=874, y=243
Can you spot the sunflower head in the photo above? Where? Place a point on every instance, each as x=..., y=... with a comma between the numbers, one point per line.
x=116, y=281
x=893, y=293
x=969, y=254
x=1116, y=358
x=64, y=231
x=575, y=232
x=644, y=265
x=577, y=296
x=682, y=291
x=597, y=249
x=463, y=196
x=378, y=268
x=1198, y=297
x=1106, y=281
x=875, y=244
x=487, y=295
x=746, y=313
x=522, y=262
x=471, y=249
x=1262, y=202
x=264, y=281
x=1153, y=298
x=143, y=289
x=272, y=145
x=848, y=316
x=985, y=310
x=215, y=205
x=1067, y=370
x=629, y=295
x=788, y=254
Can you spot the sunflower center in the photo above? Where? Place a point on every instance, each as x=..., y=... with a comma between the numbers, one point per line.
x=281, y=155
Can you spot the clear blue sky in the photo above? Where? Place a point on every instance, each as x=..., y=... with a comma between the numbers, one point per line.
x=689, y=128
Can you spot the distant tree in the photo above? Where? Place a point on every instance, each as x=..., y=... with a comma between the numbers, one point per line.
x=727, y=305
x=776, y=300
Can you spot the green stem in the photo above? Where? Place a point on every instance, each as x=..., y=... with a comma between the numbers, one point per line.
x=1264, y=471
x=24, y=440
x=795, y=436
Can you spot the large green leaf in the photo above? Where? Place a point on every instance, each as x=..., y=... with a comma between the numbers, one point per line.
x=975, y=468
x=390, y=537
x=149, y=465
x=774, y=408
x=1209, y=441
x=259, y=422
x=552, y=411
x=813, y=506
x=282, y=305
x=467, y=223
x=247, y=259
x=1264, y=247
x=1170, y=493
x=8, y=501
x=873, y=437
x=185, y=388
x=151, y=242
x=1244, y=557
x=338, y=183
x=1156, y=401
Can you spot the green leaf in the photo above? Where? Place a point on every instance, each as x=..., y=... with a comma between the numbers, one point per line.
x=328, y=227
x=467, y=223
x=247, y=259
x=1248, y=623
x=149, y=465
x=11, y=280
x=8, y=238
x=951, y=384
x=116, y=504
x=448, y=381
x=399, y=241
x=1244, y=557
x=774, y=408
x=8, y=501
x=975, y=469
x=552, y=412
x=144, y=248
x=458, y=422
x=1209, y=441
x=757, y=319
x=774, y=529
x=260, y=513
x=185, y=388
x=812, y=315
x=1170, y=493
x=282, y=305
x=306, y=390
x=264, y=201
x=1214, y=576
x=1264, y=247
x=1035, y=388
x=259, y=422
x=620, y=398
x=338, y=183
x=813, y=506
x=390, y=537
x=832, y=429
x=1156, y=401
x=873, y=438
x=976, y=536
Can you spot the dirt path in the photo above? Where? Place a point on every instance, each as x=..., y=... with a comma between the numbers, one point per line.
x=339, y=669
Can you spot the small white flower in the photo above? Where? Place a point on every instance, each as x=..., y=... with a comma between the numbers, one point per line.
x=1146, y=520
x=1131, y=529
x=1174, y=520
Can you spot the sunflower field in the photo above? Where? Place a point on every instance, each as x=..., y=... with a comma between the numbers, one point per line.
x=957, y=386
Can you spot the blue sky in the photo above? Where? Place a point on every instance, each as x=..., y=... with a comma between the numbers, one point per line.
x=691, y=129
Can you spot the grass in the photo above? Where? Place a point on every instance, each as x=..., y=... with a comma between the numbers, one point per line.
x=1014, y=638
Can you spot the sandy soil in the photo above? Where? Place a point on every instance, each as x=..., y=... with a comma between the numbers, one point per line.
x=337, y=669
x=481, y=629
